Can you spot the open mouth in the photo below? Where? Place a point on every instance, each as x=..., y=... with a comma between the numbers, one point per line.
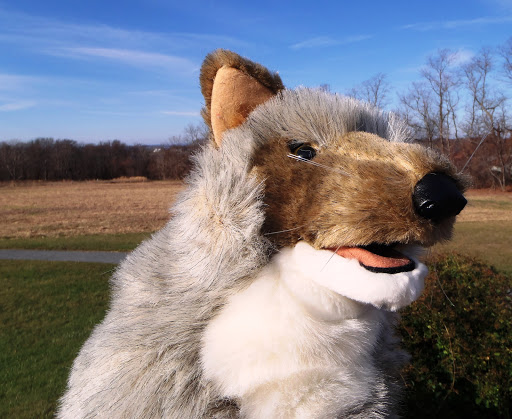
x=377, y=258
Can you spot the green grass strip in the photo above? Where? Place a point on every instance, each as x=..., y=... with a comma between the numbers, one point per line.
x=47, y=311
x=489, y=241
x=106, y=242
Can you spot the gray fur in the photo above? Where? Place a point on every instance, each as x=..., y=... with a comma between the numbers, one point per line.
x=142, y=361
x=313, y=115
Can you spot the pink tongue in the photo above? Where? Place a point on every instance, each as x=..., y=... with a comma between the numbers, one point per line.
x=390, y=259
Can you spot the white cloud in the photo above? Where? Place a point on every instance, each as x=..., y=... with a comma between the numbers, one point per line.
x=421, y=26
x=111, y=113
x=462, y=56
x=325, y=41
x=478, y=21
x=153, y=50
x=181, y=113
x=16, y=106
x=132, y=57
x=501, y=4
x=355, y=38
x=454, y=24
x=320, y=41
x=13, y=82
x=152, y=93
x=36, y=32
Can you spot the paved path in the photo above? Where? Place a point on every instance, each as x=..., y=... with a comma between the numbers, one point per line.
x=63, y=256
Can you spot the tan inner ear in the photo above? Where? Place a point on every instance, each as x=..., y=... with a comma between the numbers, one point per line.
x=234, y=95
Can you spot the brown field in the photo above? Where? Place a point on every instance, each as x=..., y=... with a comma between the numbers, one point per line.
x=71, y=209
x=487, y=205
x=51, y=209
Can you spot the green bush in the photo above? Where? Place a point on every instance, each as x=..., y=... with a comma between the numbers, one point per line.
x=459, y=335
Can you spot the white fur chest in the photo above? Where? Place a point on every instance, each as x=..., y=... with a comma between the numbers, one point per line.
x=286, y=323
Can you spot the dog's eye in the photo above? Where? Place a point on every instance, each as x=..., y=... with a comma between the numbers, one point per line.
x=304, y=151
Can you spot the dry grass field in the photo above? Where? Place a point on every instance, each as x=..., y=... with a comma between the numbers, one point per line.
x=487, y=205
x=70, y=209
x=52, y=209
x=484, y=229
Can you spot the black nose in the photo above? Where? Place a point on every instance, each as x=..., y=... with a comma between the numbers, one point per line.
x=436, y=196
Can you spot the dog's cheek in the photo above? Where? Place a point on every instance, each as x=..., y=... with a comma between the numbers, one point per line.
x=290, y=195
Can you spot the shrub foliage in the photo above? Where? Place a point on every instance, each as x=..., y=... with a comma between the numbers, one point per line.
x=460, y=337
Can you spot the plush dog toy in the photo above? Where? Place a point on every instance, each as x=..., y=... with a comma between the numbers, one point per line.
x=272, y=291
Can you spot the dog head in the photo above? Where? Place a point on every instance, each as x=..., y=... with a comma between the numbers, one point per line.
x=338, y=174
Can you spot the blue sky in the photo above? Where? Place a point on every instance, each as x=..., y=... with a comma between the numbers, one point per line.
x=102, y=70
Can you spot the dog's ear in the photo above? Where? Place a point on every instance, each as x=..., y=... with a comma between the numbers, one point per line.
x=232, y=87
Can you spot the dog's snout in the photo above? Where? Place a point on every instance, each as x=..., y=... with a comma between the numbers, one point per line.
x=436, y=197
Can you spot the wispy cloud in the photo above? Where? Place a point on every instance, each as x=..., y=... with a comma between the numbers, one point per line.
x=111, y=113
x=320, y=41
x=502, y=4
x=462, y=56
x=150, y=50
x=455, y=24
x=153, y=93
x=457, y=58
x=181, y=113
x=16, y=106
x=14, y=82
x=325, y=41
x=135, y=58
x=24, y=28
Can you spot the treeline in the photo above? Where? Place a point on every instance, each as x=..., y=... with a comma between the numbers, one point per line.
x=487, y=160
x=49, y=160
x=459, y=106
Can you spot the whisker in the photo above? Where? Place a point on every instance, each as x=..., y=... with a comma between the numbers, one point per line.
x=314, y=220
x=314, y=163
x=477, y=147
x=333, y=253
x=284, y=231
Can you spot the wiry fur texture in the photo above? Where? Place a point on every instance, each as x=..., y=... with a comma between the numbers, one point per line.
x=143, y=360
x=217, y=315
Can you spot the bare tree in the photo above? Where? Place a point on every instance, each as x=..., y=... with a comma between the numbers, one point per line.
x=197, y=133
x=192, y=134
x=471, y=124
x=375, y=90
x=506, y=52
x=12, y=158
x=442, y=80
x=453, y=100
x=485, y=100
x=417, y=108
x=488, y=109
